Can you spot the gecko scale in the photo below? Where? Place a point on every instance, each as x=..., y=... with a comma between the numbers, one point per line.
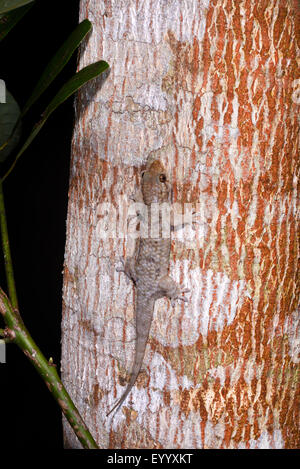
x=148, y=268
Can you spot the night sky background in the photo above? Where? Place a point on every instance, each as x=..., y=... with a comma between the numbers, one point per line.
x=36, y=196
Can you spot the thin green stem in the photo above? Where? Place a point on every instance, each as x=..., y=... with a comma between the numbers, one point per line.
x=16, y=332
x=3, y=337
x=6, y=251
x=46, y=370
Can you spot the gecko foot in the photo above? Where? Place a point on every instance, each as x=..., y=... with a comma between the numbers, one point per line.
x=122, y=267
x=197, y=220
x=180, y=297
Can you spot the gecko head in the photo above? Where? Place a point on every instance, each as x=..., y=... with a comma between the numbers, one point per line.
x=155, y=185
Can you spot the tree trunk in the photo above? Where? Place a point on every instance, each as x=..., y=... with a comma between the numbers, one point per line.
x=207, y=87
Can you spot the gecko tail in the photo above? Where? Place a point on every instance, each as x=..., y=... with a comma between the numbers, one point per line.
x=118, y=404
x=144, y=310
x=138, y=361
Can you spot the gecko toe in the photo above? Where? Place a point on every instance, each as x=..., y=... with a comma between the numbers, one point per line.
x=122, y=267
x=180, y=297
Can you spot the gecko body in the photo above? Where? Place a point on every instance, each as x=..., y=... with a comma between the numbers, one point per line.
x=148, y=268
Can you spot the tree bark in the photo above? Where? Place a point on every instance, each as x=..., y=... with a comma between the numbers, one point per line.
x=207, y=87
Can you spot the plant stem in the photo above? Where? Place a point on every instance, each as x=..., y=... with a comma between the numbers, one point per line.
x=6, y=251
x=19, y=334
x=46, y=370
x=3, y=337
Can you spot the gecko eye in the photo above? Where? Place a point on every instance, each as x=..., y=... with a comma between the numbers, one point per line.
x=162, y=178
x=142, y=174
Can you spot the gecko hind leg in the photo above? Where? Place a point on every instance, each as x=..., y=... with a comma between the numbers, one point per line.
x=172, y=290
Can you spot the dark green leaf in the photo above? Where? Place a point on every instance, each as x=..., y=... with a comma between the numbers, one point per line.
x=8, y=5
x=10, y=19
x=59, y=60
x=78, y=80
x=9, y=114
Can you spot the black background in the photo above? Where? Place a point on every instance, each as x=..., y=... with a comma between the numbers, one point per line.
x=36, y=196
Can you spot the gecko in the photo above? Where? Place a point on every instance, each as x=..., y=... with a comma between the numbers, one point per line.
x=148, y=268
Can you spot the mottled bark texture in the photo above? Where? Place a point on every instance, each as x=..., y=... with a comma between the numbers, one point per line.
x=208, y=87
